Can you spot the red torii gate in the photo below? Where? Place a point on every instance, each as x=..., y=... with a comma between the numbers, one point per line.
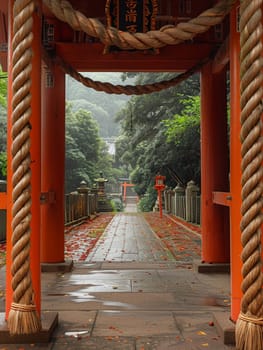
x=124, y=185
x=46, y=131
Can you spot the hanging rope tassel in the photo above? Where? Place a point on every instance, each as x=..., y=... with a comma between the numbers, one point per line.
x=249, y=332
x=23, y=317
x=249, y=327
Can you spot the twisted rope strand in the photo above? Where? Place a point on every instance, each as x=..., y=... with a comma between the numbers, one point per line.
x=20, y=132
x=126, y=89
x=251, y=106
x=22, y=316
x=249, y=327
x=168, y=35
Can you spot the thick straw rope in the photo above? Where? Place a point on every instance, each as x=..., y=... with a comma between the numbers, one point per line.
x=128, y=89
x=111, y=36
x=167, y=35
x=249, y=334
x=23, y=318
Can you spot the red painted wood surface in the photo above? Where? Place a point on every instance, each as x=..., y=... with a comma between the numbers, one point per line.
x=53, y=165
x=3, y=200
x=214, y=166
x=222, y=198
x=235, y=169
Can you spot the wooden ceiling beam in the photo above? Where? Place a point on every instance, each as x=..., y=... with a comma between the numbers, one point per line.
x=90, y=58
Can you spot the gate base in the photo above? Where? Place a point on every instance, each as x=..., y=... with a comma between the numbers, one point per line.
x=225, y=327
x=57, y=267
x=49, y=322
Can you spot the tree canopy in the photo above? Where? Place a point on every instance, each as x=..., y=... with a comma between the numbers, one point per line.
x=160, y=133
x=156, y=133
x=82, y=147
x=86, y=153
x=103, y=106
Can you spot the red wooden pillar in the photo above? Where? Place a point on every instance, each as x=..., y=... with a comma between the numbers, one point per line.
x=36, y=156
x=124, y=191
x=9, y=291
x=235, y=167
x=53, y=165
x=35, y=151
x=214, y=166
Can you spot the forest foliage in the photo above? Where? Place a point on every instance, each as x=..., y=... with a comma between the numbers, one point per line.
x=102, y=106
x=86, y=152
x=155, y=133
x=160, y=133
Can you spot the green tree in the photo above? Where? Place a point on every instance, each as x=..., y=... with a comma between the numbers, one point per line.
x=3, y=88
x=105, y=164
x=145, y=144
x=103, y=106
x=3, y=161
x=147, y=201
x=82, y=148
x=189, y=118
x=106, y=126
x=183, y=132
x=86, y=153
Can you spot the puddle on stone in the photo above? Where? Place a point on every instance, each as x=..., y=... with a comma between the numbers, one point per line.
x=81, y=297
x=76, y=334
x=118, y=304
x=92, y=275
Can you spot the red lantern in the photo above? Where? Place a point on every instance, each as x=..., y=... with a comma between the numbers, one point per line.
x=159, y=186
x=159, y=182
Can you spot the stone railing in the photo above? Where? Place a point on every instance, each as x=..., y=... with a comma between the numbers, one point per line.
x=80, y=205
x=183, y=203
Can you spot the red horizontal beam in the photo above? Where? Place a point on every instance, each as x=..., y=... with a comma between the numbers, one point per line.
x=127, y=185
x=89, y=57
x=222, y=198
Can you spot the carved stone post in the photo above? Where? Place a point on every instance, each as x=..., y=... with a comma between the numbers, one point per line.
x=191, y=193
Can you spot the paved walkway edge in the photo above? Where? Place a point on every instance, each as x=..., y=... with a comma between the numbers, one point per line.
x=225, y=327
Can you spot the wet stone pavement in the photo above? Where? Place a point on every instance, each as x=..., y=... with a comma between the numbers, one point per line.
x=129, y=238
x=132, y=293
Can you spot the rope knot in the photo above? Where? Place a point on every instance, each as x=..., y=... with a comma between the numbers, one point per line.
x=251, y=319
x=23, y=307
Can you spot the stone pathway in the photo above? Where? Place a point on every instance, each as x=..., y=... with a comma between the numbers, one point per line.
x=132, y=294
x=128, y=237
